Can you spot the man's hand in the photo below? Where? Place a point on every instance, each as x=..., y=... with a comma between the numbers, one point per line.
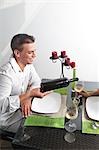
x=36, y=93
x=26, y=107
x=26, y=100
x=91, y=93
x=85, y=93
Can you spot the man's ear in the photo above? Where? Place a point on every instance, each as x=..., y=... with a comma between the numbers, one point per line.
x=16, y=53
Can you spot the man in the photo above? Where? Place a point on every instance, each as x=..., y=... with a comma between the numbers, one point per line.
x=19, y=83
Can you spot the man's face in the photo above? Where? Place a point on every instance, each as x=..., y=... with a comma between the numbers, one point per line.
x=27, y=54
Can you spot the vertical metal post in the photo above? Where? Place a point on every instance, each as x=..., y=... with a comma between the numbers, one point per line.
x=62, y=70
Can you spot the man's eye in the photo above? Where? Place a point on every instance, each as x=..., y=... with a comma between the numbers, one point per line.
x=29, y=52
x=32, y=52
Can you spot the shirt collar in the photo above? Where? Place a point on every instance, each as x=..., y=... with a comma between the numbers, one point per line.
x=15, y=65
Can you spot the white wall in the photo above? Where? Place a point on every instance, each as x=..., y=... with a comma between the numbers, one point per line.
x=10, y=23
x=70, y=25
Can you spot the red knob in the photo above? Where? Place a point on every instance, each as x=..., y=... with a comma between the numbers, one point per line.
x=67, y=61
x=72, y=64
x=63, y=54
x=54, y=55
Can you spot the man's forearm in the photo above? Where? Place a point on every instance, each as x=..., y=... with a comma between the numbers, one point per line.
x=94, y=93
x=29, y=94
x=24, y=96
x=33, y=93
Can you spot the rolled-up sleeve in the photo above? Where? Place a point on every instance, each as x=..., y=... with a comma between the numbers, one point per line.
x=8, y=102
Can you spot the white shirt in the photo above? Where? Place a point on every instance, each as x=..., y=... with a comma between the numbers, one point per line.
x=13, y=82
